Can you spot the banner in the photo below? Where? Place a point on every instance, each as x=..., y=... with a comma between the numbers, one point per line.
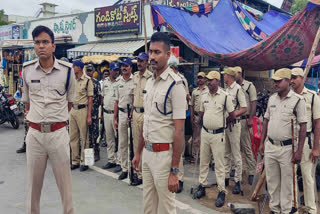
x=118, y=19
x=181, y=3
x=16, y=32
x=286, y=5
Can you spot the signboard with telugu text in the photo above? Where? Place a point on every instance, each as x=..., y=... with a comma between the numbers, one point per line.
x=118, y=19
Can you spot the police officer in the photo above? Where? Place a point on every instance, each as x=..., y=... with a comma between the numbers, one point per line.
x=173, y=64
x=139, y=79
x=233, y=133
x=96, y=101
x=311, y=146
x=250, y=93
x=124, y=96
x=195, y=103
x=48, y=93
x=277, y=150
x=80, y=116
x=213, y=108
x=109, y=90
x=163, y=130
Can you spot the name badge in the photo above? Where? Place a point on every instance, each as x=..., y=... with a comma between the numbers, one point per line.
x=206, y=101
x=272, y=106
x=144, y=91
x=35, y=81
x=121, y=86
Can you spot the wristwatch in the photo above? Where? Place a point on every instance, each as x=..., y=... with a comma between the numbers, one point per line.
x=174, y=170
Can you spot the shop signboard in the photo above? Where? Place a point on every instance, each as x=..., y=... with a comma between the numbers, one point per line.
x=68, y=26
x=5, y=32
x=286, y=5
x=181, y=3
x=118, y=19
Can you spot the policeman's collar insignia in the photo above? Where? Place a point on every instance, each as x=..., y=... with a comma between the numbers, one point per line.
x=35, y=81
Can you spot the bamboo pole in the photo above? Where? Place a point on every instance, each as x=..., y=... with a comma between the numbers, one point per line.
x=312, y=53
x=144, y=27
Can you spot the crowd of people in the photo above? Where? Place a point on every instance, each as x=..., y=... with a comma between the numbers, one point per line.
x=156, y=104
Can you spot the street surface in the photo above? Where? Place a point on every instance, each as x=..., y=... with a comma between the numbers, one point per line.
x=95, y=191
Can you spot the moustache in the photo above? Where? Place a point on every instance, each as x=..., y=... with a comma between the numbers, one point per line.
x=153, y=61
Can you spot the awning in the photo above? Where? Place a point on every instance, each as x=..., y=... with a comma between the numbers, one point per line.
x=124, y=49
x=16, y=43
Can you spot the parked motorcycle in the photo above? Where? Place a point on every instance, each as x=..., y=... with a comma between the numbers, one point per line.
x=8, y=109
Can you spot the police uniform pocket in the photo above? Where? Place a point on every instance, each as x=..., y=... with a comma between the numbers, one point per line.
x=163, y=103
x=35, y=87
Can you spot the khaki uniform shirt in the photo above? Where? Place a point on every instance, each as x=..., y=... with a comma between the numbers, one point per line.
x=195, y=101
x=84, y=89
x=40, y=90
x=185, y=85
x=250, y=93
x=109, y=90
x=238, y=97
x=124, y=93
x=139, y=85
x=157, y=127
x=315, y=113
x=214, y=108
x=279, y=113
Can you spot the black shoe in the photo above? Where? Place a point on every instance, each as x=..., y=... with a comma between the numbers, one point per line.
x=22, y=149
x=250, y=179
x=123, y=175
x=136, y=181
x=96, y=153
x=232, y=173
x=73, y=166
x=201, y=191
x=109, y=165
x=220, y=199
x=236, y=189
x=180, y=188
x=293, y=210
x=83, y=168
x=117, y=169
x=226, y=182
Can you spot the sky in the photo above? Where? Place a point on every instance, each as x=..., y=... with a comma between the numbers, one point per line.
x=30, y=7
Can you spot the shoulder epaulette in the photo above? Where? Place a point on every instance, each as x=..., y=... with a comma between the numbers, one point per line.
x=30, y=62
x=311, y=92
x=67, y=64
x=175, y=77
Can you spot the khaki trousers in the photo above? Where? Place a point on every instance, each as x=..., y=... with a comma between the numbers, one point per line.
x=110, y=138
x=308, y=176
x=212, y=144
x=155, y=173
x=123, y=140
x=55, y=147
x=232, y=150
x=245, y=144
x=279, y=177
x=136, y=132
x=78, y=132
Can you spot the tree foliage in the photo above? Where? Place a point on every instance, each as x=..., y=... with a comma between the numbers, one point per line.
x=298, y=5
x=2, y=22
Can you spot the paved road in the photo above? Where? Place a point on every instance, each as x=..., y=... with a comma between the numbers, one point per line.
x=94, y=192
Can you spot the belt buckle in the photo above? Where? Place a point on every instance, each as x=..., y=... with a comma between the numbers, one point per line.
x=149, y=147
x=76, y=107
x=45, y=127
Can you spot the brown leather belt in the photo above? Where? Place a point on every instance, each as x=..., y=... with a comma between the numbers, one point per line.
x=77, y=107
x=124, y=110
x=108, y=111
x=157, y=147
x=47, y=127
